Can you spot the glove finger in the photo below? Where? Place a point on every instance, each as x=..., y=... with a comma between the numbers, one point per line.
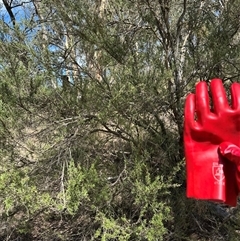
x=202, y=100
x=231, y=152
x=189, y=113
x=219, y=97
x=235, y=93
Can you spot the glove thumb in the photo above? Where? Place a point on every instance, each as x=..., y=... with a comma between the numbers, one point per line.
x=231, y=152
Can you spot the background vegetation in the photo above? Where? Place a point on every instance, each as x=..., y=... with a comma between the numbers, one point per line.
x=91, y=117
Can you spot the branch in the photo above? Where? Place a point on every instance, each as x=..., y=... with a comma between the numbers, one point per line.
x=179, y=23
x=9, y=10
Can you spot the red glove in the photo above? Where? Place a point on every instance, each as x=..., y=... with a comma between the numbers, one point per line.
x=209, y=175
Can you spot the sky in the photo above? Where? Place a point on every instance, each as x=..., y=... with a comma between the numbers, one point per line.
x=19, y=12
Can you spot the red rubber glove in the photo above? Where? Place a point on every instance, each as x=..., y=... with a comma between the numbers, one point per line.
x=209, y=175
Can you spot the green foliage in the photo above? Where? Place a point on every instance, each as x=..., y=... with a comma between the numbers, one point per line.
x=81, y=187
x=150, y=202
x=18, y=191
x=112, y=229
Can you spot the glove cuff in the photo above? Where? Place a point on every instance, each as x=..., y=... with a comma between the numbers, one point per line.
x=231, y=152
